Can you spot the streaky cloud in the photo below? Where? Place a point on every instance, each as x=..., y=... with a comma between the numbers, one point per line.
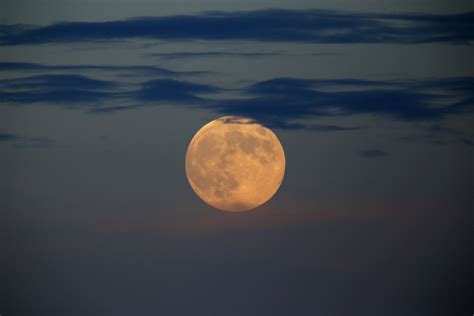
x=439, y=134
x=68, y=90
x=65, y=81
x=136, y=69
x=281, y=103
x=7, y=137
x=271, y=25
x=112, y=109
x=300, y=98
x=36, y=142
x=194, y=55
x=373, y=153
x=55, y=88
x=18, y=141
x=283, y=125
x=173, y=91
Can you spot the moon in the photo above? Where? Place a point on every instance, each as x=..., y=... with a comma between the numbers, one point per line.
x=235, y=164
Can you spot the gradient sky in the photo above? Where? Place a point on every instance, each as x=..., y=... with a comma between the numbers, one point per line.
x=373, y=102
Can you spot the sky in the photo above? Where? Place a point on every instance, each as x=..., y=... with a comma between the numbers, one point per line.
x=373, y=104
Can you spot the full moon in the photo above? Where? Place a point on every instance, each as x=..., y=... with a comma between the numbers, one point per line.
x=235, y=164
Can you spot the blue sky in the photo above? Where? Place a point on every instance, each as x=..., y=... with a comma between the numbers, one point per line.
x=372, y=101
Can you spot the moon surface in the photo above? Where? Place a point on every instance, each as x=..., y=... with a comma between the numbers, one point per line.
x=235, y=164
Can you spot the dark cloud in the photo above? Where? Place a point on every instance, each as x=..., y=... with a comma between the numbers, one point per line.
x=331, y=128
x=18, y=141
x=35, y=142
x=292, y=126
x=67, y=89
x=111, y=109
x=314, y=26
x=237, y=120
x=7, y=137
x=62, y=89
x=283, y=103
x=373, y=153
x=278, y=102
x=163, y=91
x=173, y=91
x=66, y=81
x=137, y=69
x=194, y=55
x=61, y=96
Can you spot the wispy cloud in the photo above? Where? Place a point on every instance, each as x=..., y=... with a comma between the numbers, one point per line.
x=173, y=90
x=441, y=135
x=19, y=141
x=277, y=102
x=313, y=26
x=194, y=55
x=77, y=86
x=7, y=137
x=66, y=81
x=163, y=91
x=283, y=103
x=35, y=142
x=135, y=69
x=62, y=89
x=76, y=90
x=373, y=153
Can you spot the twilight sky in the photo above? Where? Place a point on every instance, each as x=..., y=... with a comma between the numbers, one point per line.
x=373, y=102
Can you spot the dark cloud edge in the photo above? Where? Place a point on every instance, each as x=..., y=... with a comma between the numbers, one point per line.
x=270, y=25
